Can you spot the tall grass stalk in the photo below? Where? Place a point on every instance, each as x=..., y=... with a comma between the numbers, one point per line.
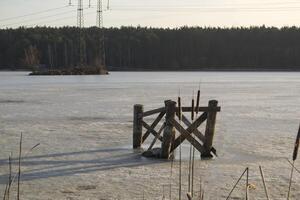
x=7, y=187
x=11, y=178
x=19, y=167
x=247, y=184
x=297, y=170
x=191, y=149
x=180, y=119
x=171, y=172
x=290, y=181
x=10, y=175
x=236, y=183
x=295, y=154
x=193, y=156
x=264, y=182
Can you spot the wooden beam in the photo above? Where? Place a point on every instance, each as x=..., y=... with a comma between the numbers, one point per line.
x=151, y=112
x=169, y=130
x=201, y=109
x=137, y=125
x=197, y=133
x=187, y=135
x=210, y=128
x=151, y=130
x=191, y=129
x=156, y=137
x=153, y=125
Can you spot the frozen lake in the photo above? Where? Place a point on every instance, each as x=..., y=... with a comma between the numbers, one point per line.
x=84, y=127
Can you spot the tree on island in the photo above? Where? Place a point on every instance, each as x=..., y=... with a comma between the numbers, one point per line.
x=31, y=58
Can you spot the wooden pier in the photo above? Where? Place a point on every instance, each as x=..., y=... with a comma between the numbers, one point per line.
x=166, y=134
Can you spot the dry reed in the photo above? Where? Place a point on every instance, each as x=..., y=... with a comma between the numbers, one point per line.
x=264, y=182
x=246, y=170
x=19, y=167
x=247, y=184
x=11, y=178
x=180, y=119
x=297, y=170
x=295, y=154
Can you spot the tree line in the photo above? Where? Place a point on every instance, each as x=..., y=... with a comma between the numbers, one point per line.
x=142, y=48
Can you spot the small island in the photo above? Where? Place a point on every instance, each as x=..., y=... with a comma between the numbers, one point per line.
x=79, y=70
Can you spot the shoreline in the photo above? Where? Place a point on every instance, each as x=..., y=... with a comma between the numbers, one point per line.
x=157, y=70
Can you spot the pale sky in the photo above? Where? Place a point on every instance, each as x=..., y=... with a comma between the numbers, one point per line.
x=154, y=13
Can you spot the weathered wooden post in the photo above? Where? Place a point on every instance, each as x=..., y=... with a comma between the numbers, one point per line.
x=210, y=128
x=169, y=131
x=137, y=125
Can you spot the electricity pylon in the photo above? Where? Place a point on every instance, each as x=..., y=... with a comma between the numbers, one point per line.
x=99, y=24
x=80, y=22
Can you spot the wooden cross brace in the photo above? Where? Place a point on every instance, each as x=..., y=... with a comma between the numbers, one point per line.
x=187, y=133
x=150, y=129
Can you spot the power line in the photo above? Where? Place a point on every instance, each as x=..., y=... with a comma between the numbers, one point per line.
x=45, y=17
x=35, y=13
x=38, y=18
x=207, y=9
x=43, y=11
x=58, y=19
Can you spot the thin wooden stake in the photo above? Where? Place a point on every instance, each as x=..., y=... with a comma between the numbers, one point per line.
x=264, y=182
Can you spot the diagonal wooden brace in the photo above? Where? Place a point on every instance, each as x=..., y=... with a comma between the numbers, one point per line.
x=157, y=136
x=187, y=135
x=197, y=133
x=151, y=130
x=190, y=130
x=153, y=125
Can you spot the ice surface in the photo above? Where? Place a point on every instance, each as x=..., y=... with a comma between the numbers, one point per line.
x=84, y=127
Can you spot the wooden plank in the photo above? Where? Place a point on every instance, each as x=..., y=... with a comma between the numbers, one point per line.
x=153, y=125
x=197, y=133
x=186, y=134
x=201, y=109
x=169, y=131
x=137, y=126
x=188, y=124
x=151, y=112
x=210, y=128
x=191, y=129
x=156, y=137
x=151, y=130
